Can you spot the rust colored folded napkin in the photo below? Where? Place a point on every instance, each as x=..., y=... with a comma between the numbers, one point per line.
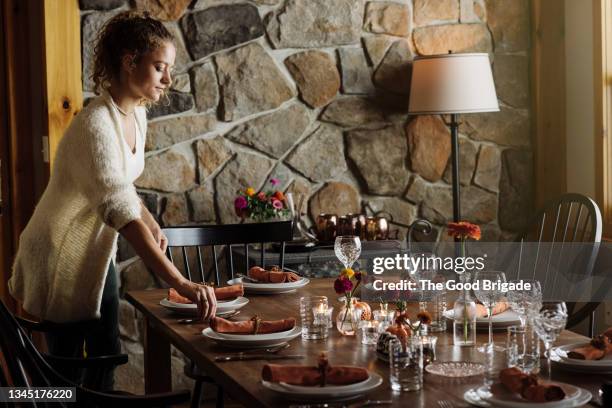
x=528, y=386
x=253, y=326
x=598, y=348
x=320, y=375
x=500, y=307
x=228, y=292
x=275, y=275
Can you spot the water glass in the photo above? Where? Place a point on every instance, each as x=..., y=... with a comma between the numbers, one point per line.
x=495, y=360
x=526, y=302
x=523, y=349
x=429, y=348
x=313, y=314
x=368, y=332
x=347, y=249
x=406, y=365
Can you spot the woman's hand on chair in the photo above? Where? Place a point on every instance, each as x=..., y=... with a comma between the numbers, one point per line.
x=203, y=296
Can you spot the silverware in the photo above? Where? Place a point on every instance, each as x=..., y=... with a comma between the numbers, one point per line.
x=445, y=404
x=272, y=350
x=246, y=357
x=194, y=320
x=247, y=278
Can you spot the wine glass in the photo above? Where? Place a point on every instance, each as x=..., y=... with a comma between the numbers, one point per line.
x=489, y=294
x=347, y=249
x=548, y=324
x=426, y=270
x=525, y=302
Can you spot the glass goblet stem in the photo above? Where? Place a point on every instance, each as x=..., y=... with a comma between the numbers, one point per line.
x=491, y=323
x=548, y=346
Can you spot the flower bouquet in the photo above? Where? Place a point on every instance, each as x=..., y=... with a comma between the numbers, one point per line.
x=353, y=311
x=464, y=311
x=261, y=206
x=403, y=328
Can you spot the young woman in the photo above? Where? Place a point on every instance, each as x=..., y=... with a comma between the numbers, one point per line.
x=63, y=271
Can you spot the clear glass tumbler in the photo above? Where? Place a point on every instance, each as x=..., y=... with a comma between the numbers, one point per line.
x=523, y=348
x=314, y=317
x=406, y=365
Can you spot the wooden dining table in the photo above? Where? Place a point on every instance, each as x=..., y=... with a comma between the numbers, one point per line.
x=242, y=379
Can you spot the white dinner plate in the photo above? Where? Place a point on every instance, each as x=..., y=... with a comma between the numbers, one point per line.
x=269, y=288
x=223, y=307
x=575, y=397
x=559, y=359
x=562, y=351
x=247, y=341
x=327, y=393
x=506, y=318
x=267, y=336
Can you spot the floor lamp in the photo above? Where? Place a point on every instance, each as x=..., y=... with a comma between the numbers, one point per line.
x=452, y=84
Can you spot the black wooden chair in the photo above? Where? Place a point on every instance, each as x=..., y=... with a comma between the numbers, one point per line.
x=565, y=234
x=28, y=368
x=227, y=236
x=67, y=365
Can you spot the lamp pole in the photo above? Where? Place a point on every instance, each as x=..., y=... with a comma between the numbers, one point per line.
x=455, y=167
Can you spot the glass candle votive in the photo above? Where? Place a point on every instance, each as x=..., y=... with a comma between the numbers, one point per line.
x=384, y=318
x=313, y=314
x=368, y=332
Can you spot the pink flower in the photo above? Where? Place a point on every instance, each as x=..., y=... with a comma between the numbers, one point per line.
x=262, y=196
x=342, y=285
x=240, y=203
x=277, y=204
x=274, y=181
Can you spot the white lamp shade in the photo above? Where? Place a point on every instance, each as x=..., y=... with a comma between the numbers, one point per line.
x=452, y=83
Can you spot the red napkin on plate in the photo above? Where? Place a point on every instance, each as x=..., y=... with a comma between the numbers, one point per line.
x=275, y=275
x=598, y=348
x=500, y=307
x=319, y=375
x=253, y=326
x=528, y=386
x=228, y=292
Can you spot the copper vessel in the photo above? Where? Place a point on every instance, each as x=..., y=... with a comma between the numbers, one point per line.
x=370, y=228
x=382, y=228
x=345, y=226
x=326, y=225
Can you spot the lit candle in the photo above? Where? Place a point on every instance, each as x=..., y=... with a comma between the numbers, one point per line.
x=320, y=314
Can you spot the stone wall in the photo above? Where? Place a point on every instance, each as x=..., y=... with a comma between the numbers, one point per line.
x=315, y=93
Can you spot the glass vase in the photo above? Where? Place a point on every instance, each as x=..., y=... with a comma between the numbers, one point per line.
x=350, y=315
x=464, y=321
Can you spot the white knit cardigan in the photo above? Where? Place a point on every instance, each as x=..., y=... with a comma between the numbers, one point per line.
x=64, y=252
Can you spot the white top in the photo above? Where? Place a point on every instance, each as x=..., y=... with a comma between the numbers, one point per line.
x=64, y=251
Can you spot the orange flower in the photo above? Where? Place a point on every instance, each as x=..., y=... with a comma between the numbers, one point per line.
x=424, y=317
x=279, y=196
x=463, y=230
x=250, y=191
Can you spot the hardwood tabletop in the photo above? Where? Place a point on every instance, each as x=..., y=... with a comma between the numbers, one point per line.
x=242, y=379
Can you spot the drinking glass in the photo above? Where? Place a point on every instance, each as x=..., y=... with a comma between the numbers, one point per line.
x=385, y=318
x=525, y=302
x=523, y=349
x=406, y=364
x=314, y=317
x=368, y=332
x=495, y=361
x=347, y=249
x=548, y=323
x=487, y=294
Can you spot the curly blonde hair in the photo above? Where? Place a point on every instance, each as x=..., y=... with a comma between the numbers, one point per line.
x=130, y=32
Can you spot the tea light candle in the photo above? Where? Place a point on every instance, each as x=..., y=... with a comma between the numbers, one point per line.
x=320, y=313
x=369, y=331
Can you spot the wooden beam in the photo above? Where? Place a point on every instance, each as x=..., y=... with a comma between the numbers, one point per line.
x=62, y=67
x=548, y=99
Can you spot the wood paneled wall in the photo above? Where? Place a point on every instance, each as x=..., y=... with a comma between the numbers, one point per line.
x=548, y=98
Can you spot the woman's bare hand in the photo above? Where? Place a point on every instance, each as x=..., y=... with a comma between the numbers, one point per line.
x=203, y=296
